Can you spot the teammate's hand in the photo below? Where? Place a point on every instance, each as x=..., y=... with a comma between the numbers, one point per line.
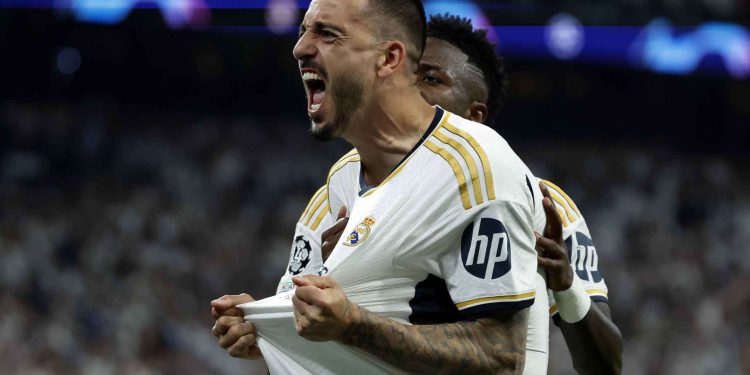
x=331, y=236
x=321, y=310
x=235, y=335
x=552, y=252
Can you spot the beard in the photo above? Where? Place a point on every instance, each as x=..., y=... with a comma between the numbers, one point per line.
x=347, y=93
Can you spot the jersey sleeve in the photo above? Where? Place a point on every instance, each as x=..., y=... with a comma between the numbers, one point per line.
x=581, y=250
x=494, y=266
x=305, y=256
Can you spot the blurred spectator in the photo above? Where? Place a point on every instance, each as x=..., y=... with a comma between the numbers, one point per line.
x=116, y=232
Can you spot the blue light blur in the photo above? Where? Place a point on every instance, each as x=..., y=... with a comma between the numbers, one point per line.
x=659, y=46
x=666, y=49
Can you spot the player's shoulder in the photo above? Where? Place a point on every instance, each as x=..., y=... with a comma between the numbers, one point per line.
x=565, y=205
x=316, y=210
x=348, y=160
x=475, y=155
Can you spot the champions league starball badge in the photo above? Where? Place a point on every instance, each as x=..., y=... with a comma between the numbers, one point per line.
x=301, y=255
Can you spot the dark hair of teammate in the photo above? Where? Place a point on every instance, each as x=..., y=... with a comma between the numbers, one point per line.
x=482, y=54
x=404, y=20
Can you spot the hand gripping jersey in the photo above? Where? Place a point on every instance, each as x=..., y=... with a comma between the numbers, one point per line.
x=446, y=237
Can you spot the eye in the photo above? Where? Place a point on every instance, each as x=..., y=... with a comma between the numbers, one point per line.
x=431, y=79
x=327, y=36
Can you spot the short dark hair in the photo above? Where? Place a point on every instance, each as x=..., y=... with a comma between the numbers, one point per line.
x=482, y=54
x=409, y=22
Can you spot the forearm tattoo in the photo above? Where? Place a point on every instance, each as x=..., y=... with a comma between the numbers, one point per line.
x=495, y=345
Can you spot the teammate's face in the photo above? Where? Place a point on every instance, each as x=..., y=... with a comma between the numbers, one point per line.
x=446, y=78
x=333, y=49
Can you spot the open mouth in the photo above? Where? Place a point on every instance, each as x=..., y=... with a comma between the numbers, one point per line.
x=316, y=90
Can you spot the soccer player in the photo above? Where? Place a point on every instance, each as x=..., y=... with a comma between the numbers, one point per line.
x=461, y=72
x=441, y=196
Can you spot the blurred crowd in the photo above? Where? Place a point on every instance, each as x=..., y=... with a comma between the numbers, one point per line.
x=119, y=226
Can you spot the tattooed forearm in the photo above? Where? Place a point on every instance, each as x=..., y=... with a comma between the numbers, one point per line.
x=495, y=345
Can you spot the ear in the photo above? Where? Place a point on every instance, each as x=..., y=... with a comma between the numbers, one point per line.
x=393, y=58
x=477, y=112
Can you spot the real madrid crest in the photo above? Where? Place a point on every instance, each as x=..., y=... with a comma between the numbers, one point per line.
x=360, y=232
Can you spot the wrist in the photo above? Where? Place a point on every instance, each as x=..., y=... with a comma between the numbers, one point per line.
x=352, y=321
x=573, y=303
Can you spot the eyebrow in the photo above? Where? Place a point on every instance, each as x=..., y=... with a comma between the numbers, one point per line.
x=430, y=66
x=320, y=25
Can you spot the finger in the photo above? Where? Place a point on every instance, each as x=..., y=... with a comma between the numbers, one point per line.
x=224, y=323
x=254, y=352
x=342, y=213
x=334, y=232
x=242, y=348
x=300, y=320
x=232, y=311
x=322, y=282
x=548, y=248
x=311, y=295
x=548, y=264
x=553, y=228
x=226, y=302
x=234, y=334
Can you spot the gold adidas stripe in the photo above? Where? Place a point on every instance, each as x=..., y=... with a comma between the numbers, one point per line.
x=320, y=217
x=463, y=190
x=475, y=182
x=511, y=298
x=561, y=204
x=350, y=157
x=313, y=199
x=567, y=198
x=398, y=170
x=323, y=197
x=482, y=157
x=560, y=213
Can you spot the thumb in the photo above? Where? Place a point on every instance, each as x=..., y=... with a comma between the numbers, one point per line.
x=322, y=282
x=342, y=213
x=226, y=302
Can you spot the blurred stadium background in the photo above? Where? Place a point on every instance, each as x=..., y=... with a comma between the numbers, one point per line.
x=154, y=156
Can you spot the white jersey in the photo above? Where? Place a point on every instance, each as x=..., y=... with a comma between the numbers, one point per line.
x=446, y=237
x=581, y=250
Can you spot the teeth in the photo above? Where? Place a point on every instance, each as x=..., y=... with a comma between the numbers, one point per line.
x=311, y=77
x=315, y=107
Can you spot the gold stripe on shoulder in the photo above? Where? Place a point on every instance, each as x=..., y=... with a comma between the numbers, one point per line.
x=463, y=190
x=482, y=157
x=320, y=217
x=342, y=163
x=323, y=197
x=312, y=200
x=567, y=198
x=443, y=121
x=561, y=213
x=510, y=298
x=562, y=204
x=469, y=161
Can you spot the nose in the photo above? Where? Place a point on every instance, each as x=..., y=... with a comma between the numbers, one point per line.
x=305, y=48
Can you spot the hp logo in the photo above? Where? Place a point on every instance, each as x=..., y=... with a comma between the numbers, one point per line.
x=485, y=249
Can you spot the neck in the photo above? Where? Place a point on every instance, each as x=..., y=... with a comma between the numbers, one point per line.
x=395, y=121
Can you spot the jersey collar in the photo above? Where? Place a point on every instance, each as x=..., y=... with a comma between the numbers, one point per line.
x=439, y=113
